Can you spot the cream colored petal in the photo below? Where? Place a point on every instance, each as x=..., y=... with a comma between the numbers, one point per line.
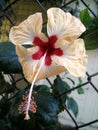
x=49, y=71
x=30, y=67
x=74, y=58
x=25, y=32
x=64, y=25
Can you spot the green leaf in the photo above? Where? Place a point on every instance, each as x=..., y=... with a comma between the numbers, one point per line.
x=80, y=80
x=46, y=115
x=91, y=35
x=80, y=90
x=86, y=18
x=8, y=59
x=91, y=39
x=72, y=105
x=59, y=87
x=66, y=86
x=44, y=119
x=42, y=88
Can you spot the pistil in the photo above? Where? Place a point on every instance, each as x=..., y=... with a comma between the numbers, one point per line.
x=27, y=117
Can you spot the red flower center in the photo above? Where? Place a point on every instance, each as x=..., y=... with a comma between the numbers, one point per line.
x=48, y=47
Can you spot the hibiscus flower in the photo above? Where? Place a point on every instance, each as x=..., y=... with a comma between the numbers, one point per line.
x=62, y=50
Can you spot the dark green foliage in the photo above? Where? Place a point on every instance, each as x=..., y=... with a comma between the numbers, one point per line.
x=91, y=35
x=72, y=105
x=59, y=87
x=8, y=59
x=42, y=88
x=91, y=38
x=2, y=4
x=5, y=124
x=86, y=18
x=4, y=107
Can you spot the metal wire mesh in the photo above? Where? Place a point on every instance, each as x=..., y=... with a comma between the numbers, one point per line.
x=17, y=10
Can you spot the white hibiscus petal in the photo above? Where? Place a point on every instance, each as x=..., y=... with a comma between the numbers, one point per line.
x=74, y=58
x=49, y=71
x=26, y=31
x=64, y=25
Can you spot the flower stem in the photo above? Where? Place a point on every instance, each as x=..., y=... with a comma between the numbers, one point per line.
x=27, y=117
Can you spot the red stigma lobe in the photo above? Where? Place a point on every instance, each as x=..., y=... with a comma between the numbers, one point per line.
x=48, y=47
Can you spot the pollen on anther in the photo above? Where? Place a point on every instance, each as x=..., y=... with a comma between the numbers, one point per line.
x=22, y=107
